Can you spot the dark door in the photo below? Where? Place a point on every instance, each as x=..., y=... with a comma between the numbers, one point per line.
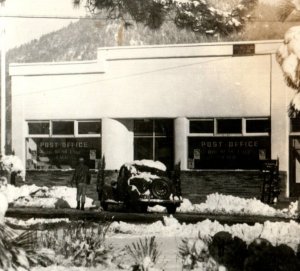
x=295, y=166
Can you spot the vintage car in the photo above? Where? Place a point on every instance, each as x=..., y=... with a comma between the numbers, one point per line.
x=143, y=183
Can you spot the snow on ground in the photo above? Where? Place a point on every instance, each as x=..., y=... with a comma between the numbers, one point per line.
x=276, y=232
x=225, y=204
x=43, y=197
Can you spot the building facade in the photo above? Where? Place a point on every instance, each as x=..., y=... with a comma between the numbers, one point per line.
x=219, y=109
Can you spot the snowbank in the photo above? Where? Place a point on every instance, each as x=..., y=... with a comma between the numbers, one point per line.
x=276, y=232
x=34, y=221
x=43, y=197
x=225, y=204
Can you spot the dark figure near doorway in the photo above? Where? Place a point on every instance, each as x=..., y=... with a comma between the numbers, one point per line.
x=81, y=178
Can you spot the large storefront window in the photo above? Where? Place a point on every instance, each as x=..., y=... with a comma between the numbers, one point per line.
x=153, y=139
x=63, y=145
x=243, y=151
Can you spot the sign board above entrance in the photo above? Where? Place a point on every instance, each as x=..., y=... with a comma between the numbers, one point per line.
x=243, y=49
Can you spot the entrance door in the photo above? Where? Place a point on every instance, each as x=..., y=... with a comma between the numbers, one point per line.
x=295, y=166
x=153, y=139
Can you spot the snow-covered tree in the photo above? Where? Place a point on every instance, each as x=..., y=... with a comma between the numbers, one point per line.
x=198, y=15
x=288, y=55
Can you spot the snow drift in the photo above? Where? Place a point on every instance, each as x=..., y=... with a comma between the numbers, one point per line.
x=275, y=232
x=230, y=205
x=43, y=197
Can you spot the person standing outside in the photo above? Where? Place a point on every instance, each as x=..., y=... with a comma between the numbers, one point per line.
x=81, y=178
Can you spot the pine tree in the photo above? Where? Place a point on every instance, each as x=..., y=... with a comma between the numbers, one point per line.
x=197, y=15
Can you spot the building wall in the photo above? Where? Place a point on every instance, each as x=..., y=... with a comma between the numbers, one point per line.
x=177, y=82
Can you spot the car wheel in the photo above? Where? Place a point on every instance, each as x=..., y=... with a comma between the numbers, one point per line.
x=171, y=209
x=161, y=189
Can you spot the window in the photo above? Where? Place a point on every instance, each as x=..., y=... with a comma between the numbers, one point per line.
x=61, y=153
x=205, y=126
x=295, y=125
x=229, y=126
x=235, y=152
x=89, y=127
x=258, y=125
x=229, y=143
x=38, y=128
x=59, y=144
x=153, y=139
x=63, y=127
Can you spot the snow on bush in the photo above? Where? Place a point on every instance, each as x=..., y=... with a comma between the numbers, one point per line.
x=288, y=56
x=225, y=204
x=12, y=163
x=43, y=197
x=3, y=198
x=276, y=232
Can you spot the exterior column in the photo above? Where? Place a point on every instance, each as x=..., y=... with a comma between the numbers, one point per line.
x=117, y=142
x=180, y=141
x=19, y=128
x=280, y=120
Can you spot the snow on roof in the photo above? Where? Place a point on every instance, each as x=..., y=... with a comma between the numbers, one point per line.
x=149, y=163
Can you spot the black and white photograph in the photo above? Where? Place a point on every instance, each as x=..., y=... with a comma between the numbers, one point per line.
x=150, y=135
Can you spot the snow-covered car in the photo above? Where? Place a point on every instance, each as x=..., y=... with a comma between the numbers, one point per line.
x=144, y=183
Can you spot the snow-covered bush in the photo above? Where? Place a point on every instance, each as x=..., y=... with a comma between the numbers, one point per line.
x=195, y=255
x=145, y=253
x=79, y=245
x=288, y=56
x=12, y=163
x=234, y=254
x=228, y=250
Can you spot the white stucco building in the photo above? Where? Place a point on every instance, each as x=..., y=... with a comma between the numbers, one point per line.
x=212, y=107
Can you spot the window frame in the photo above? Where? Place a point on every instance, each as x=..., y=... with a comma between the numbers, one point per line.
x=87, y=135
x=74, y=135
x=256, y=133
x=37, y=121
x=62, y=135
x=216, y=134
x=202, y=119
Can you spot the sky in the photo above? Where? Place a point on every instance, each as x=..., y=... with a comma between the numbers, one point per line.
x=22, y=30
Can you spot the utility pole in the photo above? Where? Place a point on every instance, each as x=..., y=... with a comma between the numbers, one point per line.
x=3, y=87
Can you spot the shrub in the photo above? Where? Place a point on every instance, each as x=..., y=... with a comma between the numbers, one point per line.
x=145, y=253
x=79, y=244
x=17, y=252
x=263, y=257
x=229, y=251
x=195, y=254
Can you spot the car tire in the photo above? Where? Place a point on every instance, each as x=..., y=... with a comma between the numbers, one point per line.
x=161, y=189
x=171, y=209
